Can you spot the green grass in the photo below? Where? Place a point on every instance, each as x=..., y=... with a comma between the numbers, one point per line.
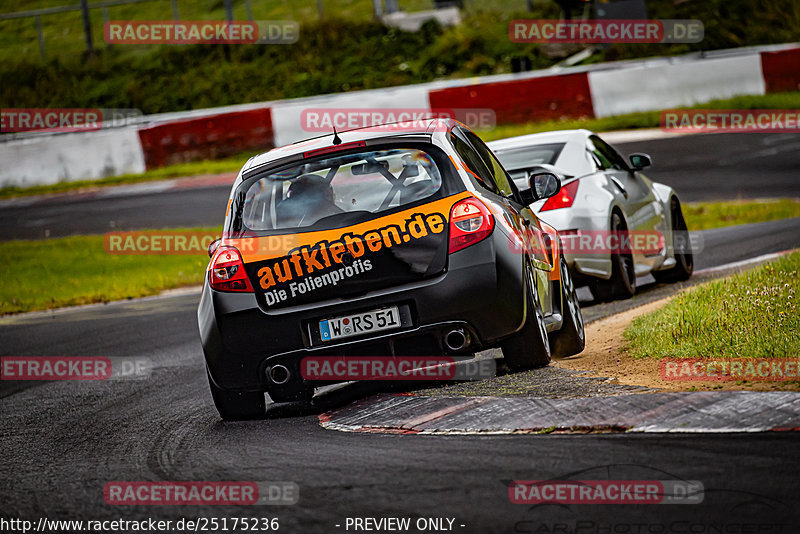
x=753, y=314
x=333, y=55
x=70, y=271
x=63, y=33
x=705, y=215
x=347, y=50
x=621, y=122
x=52, y=273
x=649, y=119
x=728, y=22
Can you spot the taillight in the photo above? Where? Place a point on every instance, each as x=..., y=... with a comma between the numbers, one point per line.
x=227, y=271
x=334, y=148
x=564, y=198
x=470, y=222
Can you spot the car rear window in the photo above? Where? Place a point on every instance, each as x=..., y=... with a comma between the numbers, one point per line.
x=530, y=156
x=341, y=190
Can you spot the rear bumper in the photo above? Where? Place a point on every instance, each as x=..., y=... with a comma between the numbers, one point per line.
x=481, y=292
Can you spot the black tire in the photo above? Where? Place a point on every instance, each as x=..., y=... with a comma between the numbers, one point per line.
x=622, y=284
x=530, y=347
x=570, y=338
x=237, y=405
x=684, y=259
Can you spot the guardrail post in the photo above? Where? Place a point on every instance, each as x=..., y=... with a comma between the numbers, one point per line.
x=229, y=10
x=106, y=18
x=40, y=34
x=87, y=27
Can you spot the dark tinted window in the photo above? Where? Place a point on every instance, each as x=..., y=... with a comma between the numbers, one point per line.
x=328, y=191
x=473, y=161
x=530, y=156
x=607, y=156
x=501, y=179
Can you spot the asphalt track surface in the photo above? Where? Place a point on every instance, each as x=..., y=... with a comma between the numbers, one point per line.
x=699, y=167
x=63, y=441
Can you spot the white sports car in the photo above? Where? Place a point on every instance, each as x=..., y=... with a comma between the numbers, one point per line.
x=603, y=196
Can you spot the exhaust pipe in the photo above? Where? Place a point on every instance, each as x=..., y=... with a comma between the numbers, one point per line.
x=456, y=340
x=279, y=374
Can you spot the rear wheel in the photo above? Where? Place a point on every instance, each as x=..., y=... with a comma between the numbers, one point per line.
x=622, y=284
x=235, y=405
x=684, y=259
x=570, y=338
x=530, y=347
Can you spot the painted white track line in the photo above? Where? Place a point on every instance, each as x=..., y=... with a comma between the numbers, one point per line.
x=744, y=263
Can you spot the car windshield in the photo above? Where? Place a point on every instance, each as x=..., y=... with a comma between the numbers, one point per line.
x=340, y=190
x=529, y=156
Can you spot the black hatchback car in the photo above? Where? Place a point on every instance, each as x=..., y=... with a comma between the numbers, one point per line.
x=408, y=240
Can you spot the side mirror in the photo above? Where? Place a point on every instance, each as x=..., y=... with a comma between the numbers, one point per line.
x=212, y=247
x=544, y=185
x=640, y=161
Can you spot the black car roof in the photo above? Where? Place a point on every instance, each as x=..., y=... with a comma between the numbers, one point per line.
x=392, y=131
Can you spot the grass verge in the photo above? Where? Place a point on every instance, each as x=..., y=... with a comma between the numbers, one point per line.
x=341, y=47
x=77, y=270
x=69, y=271
x=749, y=315
x=706, y=215
x=648, y=119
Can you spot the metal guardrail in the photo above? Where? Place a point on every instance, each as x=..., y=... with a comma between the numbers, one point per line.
x=379, y=7
x=74, y=7
x=85, y=7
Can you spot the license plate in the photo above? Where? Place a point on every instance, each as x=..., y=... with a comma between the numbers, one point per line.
x=359, y=323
